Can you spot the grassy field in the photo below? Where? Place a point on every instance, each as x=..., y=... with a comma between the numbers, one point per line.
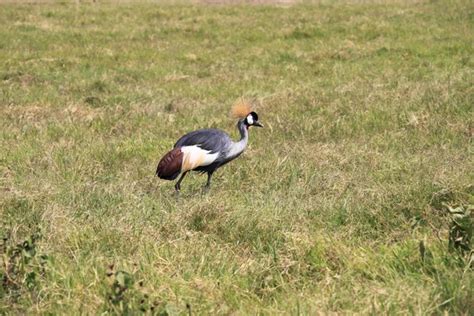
x=340, y=204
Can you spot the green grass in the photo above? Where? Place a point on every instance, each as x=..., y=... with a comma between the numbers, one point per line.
x=338, y=205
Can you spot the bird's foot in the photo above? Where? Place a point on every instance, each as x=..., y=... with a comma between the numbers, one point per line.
x=176, y=194
x=177, y=189
x=206, y=189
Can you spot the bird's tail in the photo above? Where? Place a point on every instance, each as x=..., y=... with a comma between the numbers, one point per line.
x=169, y=166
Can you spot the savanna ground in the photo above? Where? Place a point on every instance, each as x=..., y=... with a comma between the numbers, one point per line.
x=341, y=204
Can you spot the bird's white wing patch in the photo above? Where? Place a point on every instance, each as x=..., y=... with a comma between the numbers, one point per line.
x=194, y=156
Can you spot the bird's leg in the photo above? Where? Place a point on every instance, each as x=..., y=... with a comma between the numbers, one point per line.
x=208, y=183
x=177, y=186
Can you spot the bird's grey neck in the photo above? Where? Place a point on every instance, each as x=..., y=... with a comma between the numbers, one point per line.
x=238, y=147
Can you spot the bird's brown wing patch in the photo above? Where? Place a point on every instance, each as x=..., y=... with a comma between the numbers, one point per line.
x=169, y=166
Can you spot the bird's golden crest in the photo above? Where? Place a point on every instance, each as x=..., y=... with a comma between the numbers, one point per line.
x=241, y=108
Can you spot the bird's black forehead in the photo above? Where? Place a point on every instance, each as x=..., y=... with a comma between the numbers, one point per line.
x=254, y=116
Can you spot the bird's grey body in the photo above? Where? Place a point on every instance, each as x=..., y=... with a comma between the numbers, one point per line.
x=216, y=141
x=204, y=150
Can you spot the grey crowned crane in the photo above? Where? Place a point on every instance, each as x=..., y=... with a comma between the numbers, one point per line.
x=205, y=150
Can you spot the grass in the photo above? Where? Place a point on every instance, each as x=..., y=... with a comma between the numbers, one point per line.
x=339, y=205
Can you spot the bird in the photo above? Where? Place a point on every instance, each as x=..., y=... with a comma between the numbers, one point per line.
x=206, y=150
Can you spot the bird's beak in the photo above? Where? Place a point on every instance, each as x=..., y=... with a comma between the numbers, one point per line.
x=257, y=124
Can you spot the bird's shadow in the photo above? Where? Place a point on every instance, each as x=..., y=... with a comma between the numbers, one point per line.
x=191, y=193
x=166, y=191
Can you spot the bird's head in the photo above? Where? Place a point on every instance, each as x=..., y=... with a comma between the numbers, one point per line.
x=252, y=120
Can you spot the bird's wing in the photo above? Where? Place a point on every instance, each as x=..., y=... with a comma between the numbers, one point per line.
x=212, y=140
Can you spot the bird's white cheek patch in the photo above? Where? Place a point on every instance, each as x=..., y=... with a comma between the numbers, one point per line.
x=194, y=156
x=250, y=119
